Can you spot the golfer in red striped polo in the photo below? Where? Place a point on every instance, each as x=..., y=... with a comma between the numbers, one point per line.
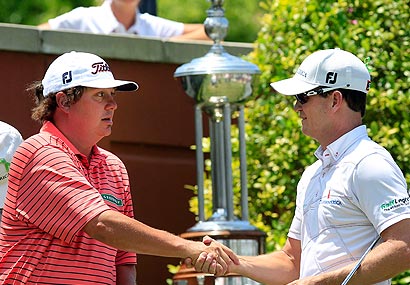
x=68, y=215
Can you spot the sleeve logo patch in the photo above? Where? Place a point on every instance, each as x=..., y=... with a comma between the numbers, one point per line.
x=112, y=199
x=395, y=203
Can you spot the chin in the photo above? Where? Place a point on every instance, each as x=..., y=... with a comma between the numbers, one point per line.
x=106, y=132
x=306, y=132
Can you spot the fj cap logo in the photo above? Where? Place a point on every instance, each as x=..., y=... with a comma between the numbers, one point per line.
x=331, y=77
x=67, y=77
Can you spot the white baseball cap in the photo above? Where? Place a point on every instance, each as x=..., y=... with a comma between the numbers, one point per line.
x=81, y=69
x=330, y=68
x=10, y=139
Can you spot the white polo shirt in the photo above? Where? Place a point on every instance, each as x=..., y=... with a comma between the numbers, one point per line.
x=10, y=139
x=101, y=20
x=345, y=200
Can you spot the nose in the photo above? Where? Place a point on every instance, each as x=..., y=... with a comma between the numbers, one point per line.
x=298, y=106
x=111, y=103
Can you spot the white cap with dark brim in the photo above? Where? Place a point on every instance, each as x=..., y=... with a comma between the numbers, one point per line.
x=81, y=69
x=331, y=68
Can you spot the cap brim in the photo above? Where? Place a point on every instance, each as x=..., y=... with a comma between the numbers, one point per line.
x=127, y=86
x=120, y=85
x=292, y=86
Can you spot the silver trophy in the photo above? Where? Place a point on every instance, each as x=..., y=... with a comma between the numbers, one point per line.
x=220, y=84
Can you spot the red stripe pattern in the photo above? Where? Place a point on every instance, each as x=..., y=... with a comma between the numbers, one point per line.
x=53, y=192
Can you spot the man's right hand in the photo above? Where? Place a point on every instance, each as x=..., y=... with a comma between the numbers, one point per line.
x=209, y=263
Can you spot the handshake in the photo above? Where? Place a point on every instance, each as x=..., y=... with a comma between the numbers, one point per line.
x=215, y=259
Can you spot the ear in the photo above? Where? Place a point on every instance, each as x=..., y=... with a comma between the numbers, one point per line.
x=337, y=99
x=62, y=101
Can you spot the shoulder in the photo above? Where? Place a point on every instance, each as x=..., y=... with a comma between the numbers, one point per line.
x=149, y=25
x=42, y=146
x=363, y=150
x=368, y=153
x=78, y=18
x=375, y=167
x=33, y=143
x=151, y=19
x=4, y=127
x=148, y=17
x=10, y=137
x=7, y=130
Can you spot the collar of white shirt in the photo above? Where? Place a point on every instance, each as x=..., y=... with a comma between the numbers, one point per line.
x=336, y=149
x=111, y=24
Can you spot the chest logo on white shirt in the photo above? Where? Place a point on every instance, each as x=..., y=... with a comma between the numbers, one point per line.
x=331, y=202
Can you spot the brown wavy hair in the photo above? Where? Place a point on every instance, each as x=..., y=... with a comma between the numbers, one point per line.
x=45, y=107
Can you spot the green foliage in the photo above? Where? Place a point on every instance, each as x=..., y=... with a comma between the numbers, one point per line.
x=243, y=15
x=173, y=269
x=35, y=12
x=377, y=31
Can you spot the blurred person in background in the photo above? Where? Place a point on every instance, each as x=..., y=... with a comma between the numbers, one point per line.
x=10, y=139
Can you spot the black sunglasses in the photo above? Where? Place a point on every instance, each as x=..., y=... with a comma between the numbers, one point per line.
x=303, y=98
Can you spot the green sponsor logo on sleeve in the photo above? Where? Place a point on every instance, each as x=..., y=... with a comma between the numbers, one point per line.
x=395, y=203
x=112, y=199
x=5, y=163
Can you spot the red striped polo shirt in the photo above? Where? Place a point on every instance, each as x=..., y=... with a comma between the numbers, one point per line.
x=53, y=192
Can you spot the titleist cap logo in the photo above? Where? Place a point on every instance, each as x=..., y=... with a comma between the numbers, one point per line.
x=100, y=67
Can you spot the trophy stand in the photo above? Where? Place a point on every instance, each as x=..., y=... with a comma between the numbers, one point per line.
x=220, y=84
